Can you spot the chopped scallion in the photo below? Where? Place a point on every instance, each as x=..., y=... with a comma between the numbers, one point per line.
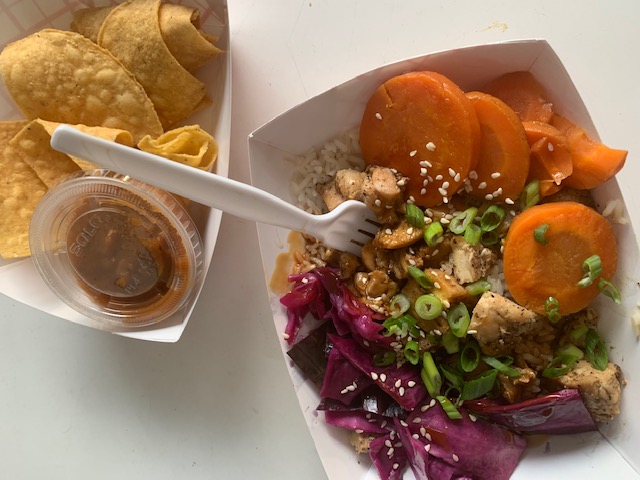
x=492, y=218
x=432, y=234
x=399, y=304
x=419, y=276
x=565, y=359
x=415, y=215
x=552, y=309
x=479, y=386
x=384, y=359
x=501, y=367
x=610, y=290
x=470, y=356
x=472, y=234
x=453, y=376
x=530, y=195
x=461, y=221
x=479, y=287
x=459, y=319
x=430, y=375
x=490, y=238
x=428, y=307
x=411, y=352
x=592, y=268
x=540, y=232
x=449, y=408
x=450, y=343
x=595, y=350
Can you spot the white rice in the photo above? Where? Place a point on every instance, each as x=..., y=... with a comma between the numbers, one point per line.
x=319, y=166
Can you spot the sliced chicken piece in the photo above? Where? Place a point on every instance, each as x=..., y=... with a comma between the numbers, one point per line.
x=400, y=235
x=498, y=324
x=600, y=390
x=350, y=183
x=470, y=263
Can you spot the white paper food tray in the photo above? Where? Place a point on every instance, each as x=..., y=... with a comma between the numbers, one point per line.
x=19, y=278
x=272, y=148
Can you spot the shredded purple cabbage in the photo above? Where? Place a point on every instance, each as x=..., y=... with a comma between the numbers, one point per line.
x=556, y=413
x=389, y=456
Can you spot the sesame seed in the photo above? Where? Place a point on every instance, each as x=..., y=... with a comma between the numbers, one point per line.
x=398, y=383
x=387, y=443
x=431, y=146
x=423, y=172
x=425, y=182
x=442, y=191
x=452, y=172
x=498, y=192
x=488, y=196
x=390, y=452
x=285, y=335
x=472, y=417
x=457, y=177
x=383, y=377
x=473, y=175
x=432, y=403
x=445, y=185
x=410, y=231
x=424, y=408
x=495, y=175
x=374, y=376
x=411, y=383
x=427, y=447
x=415, y=436
x=428, y=163
x=423, y=191
x=395, y=466
x=388, y=231
x=344, y=391
x=472, y=332
x=378, y=116
x=403, y=423
x=412, y=153
x=377, y=203
x=446, y=303
x=417, y=420
x=455, y=457
x=401, y=391
x=439, y=177
x=401, y=182
x=412, y=199
x=482, y=185
x=365, y=343
x=444, y=220
x=436, y=284
x=412, y=262
x=427, y=435
x=550, y=146
x=508, y=201
x=445, y=199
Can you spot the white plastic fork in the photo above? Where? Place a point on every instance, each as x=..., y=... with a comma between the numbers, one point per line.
x=346, y=228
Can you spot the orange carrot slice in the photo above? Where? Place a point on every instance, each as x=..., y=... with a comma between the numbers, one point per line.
x=534, y=271
x=423, y=125
x=503, y=165
x=593, y=162
x=551, y=161
x=524, y=94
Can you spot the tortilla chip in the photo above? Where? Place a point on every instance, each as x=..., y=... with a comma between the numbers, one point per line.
x=191, y=48
x=64, y=77
x=32, y=144
x=189, y=145
x=174, y=91
x=20, y=192
x=111, y=134
x=178, y=26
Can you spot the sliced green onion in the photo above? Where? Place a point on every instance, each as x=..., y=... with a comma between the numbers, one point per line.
x=470, y=356
x=411, y=352
x=492, y=218
x=450, y=343
x=428, y=307
x=578, y=332
x=384, y=359
x=458, y=319
x=479, y=386
x=415, y=215
x=501, y=367
x=430, y=375
x=539, y=234
x=490, y=238
x=400, y=326
x=461, y=221
x=592, y=268
x=609, y=289
x=449, y=408
x=595, y=350
x=530, y=195
x=479, y=287
x=552, y=309
x=472, y=234
x=419, y=276
x=399, y=305
x=453, y=376
x=565, y=359
x=432, y=234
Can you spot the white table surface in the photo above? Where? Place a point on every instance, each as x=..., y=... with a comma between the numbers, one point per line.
x=77, y=403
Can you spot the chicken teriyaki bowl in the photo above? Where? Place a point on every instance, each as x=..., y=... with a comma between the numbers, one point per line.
x=467, y=323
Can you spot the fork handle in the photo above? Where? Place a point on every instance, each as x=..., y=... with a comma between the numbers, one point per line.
x=231, y=196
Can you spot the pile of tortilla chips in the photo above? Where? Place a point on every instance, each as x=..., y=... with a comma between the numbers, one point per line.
x=124, y=73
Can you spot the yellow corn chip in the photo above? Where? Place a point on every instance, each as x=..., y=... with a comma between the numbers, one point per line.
x=189, y=145
x=64, y=77
x=20, y=192
x=131, y=32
